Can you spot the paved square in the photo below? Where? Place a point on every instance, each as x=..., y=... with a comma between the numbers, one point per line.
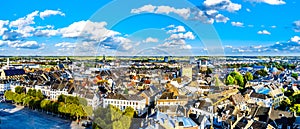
x=17, y=117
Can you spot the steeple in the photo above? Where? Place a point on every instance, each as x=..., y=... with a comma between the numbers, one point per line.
x=7, y=62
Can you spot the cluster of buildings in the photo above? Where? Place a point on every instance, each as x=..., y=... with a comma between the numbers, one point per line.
x=167, y=95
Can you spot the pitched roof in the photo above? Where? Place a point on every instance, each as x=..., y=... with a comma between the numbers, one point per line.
x=257, y=95
x=124, y=97
x=13, y=72
x=262, y=113
x=258, y=125
x=238, y=99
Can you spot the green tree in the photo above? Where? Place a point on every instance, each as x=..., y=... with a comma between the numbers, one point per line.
x=19, y=89
x=126, y=91
x=39, y=94
x=79, y=112
x=72, y=100
x=37, y=103
x=82, y=101
x=209, y=71
x=229, y=80
x=45, y=105
x=248, y=76
x=239, y=80
x=88, y=110
x=234, y=73
x=62, y=108
x=130, y=112
x=18, y=98
x=54, y=107
x=261, y=72
x=9, y=95
x=26, y=100
x=111, y=118
x=296, y=108
x=286, y=103
x=295, y=75
x=32, y=92
x=61, y=98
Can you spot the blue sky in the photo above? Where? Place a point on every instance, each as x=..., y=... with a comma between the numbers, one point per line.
x=149, y=27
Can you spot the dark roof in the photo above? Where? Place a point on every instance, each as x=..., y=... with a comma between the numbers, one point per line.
x=258, y=67
x=3, y=81
x=61, y=66
x=283, y=118
x=257, y=95
x=202, y=104
x=13, y=72
x=258, y=125
x=276, y=114
x=241, y=124
x=262, y=113
x=253, y=108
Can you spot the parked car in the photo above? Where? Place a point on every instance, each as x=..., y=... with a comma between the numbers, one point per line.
x=86, y=123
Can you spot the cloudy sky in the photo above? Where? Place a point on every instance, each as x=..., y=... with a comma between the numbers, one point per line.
x=150, y=27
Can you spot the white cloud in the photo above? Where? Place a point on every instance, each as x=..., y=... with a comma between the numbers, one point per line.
x=24, y=21
x=271, y=2
x=48, y=13
x=208, y=14
x=177, y=39
x=176, y=29
x=264, y=32
x=183, y=12
x=65, y=45
x=222, y=5
x=25, y=31
x=2, y=28
x=186, y=47
x=146, y=8
x=124, y=43
x=295, y=39
x=26, y=44
x=273, y=26
x=296, y=26
x=177, y=36
x=212, y=12
x=2, y=43
x=47, y=32
x=248, y=10
x=237, y=24
x=221, y=18
x=258, y=47
x=150, y=40
x=88, y=29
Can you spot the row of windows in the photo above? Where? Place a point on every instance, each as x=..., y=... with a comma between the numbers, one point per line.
x=169, y=103
x=120, y=102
